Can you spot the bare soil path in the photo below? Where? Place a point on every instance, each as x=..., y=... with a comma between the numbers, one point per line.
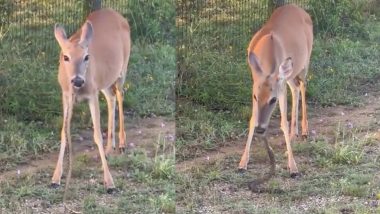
x=139, y=133
x=213, y=186
x=322, y=124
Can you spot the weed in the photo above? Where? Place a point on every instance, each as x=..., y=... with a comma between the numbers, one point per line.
x=338, y=18
x=152, y=20
x=150, y=80
x=20, y=139
x=165, y=203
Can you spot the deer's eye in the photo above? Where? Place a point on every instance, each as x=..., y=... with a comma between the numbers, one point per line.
x=86, y=58
x=272, y=101
x=66, y=58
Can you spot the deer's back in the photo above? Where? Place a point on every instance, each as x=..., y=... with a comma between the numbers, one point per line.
x=292, y=29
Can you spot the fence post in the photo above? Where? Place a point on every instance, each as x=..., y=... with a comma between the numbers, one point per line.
x=91, y=5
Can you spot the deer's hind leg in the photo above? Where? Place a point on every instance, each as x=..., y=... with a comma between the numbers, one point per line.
x=110, y=95
x=295, y=89
x=305, y=127
x=303, y=83
x=119, y=90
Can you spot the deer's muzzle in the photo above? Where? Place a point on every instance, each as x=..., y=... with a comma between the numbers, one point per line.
x=259, y=130
x=77, y=82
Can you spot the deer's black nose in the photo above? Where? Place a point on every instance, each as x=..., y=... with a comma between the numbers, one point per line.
x=259, y=130
x=77, y=82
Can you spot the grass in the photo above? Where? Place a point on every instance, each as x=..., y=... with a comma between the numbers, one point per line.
x=144, y=185
x=214, y=84
x=31, y=104
x=338, y=183
x=30, y=110
x=339, y=171
x=21, y=141
x=29, y=92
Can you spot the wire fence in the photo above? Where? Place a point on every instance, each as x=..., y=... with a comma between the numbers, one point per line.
x=223, y=22
x=28, y=24
x=212, y=38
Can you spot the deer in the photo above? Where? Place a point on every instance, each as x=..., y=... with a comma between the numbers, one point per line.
x=279, y=55
x=94, y=59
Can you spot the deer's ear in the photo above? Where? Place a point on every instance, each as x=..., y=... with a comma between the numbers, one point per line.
x=60, y=34
x=87, y=34
x=286, y=68
x=254, y=62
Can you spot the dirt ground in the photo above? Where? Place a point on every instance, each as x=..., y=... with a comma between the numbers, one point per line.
x=139, y=135
x=142, y=134
x=322, y=124
x=224, y=196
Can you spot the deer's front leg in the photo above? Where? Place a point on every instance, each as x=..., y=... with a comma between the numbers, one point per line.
x=68, y=102
x=95, y=115
x=285, y=128
x=245, y=157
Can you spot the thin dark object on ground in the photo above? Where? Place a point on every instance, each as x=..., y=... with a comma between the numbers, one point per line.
x=254, y=185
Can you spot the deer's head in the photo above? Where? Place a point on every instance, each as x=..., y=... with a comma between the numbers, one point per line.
x=74, y=57
x=269, y=81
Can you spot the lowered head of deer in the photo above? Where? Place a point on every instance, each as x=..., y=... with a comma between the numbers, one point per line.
x=279, y=55
x=269, y=74
x=74, y=57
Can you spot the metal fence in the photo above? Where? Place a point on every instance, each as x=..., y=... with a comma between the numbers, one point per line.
x=25, y=23
x=212, y=38
x=212, y=19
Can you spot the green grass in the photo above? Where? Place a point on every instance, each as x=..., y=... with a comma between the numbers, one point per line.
x=213, y=108
x=21, y=141
x=323, y=188
x=30, y=95
x=144, y=185
x=345, y=67
x=214, y=82
x=199, y=129
x=30, y=110
x=31, y=99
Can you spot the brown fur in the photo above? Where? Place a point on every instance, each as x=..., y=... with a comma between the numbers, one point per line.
x=105, y=38
x=279, y=53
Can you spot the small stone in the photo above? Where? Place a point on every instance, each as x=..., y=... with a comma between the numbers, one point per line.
x=350, y=125
x=374, y=203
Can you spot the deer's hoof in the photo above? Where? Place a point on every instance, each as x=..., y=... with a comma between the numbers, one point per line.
x=54, y=185
x=111, y=190
x=122, y=150
x=241, y=170
x=295, y=175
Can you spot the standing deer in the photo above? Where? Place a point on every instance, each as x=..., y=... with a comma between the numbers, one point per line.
x=279, y=53
x=94, y=59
